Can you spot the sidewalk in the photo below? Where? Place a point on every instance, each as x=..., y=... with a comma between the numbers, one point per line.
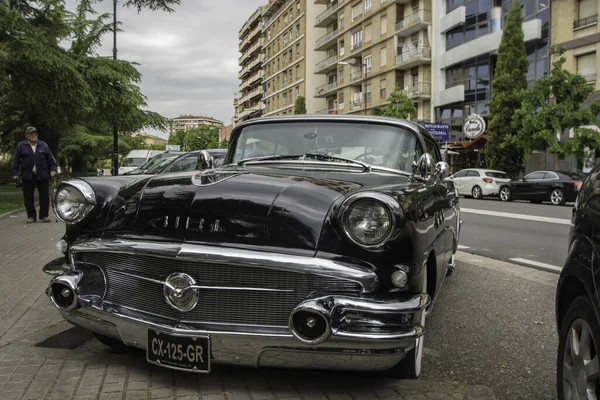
x=44, y=357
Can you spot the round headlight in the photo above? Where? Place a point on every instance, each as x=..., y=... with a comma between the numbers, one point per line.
x=73, y=201
x=368, y=222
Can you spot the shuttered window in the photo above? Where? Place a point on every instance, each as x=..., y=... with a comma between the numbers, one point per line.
x=587, y=8
x=586, y=66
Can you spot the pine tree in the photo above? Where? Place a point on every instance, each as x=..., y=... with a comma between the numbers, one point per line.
x=300, y=106
x=508, y=85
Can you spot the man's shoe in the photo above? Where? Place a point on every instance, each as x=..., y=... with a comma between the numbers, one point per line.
x=46, y=219
x=30, y=220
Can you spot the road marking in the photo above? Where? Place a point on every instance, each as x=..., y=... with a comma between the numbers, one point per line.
x=561, y=221
x=461, y=247
x=549, y=267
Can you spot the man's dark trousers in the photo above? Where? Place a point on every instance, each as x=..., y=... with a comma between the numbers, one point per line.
x=43, y=186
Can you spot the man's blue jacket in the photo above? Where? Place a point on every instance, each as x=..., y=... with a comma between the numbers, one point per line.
x=24, y=158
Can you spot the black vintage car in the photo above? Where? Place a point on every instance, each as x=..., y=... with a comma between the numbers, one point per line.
x=578, y=299
x=557, y=187
x=321, y=242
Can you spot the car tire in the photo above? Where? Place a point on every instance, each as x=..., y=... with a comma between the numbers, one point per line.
x=505, y=194
x=113, y=343
x=580, y=319
x=557, y=197
x=476, y=192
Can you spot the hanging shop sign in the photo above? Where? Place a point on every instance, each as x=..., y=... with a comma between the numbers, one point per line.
x=474, y=126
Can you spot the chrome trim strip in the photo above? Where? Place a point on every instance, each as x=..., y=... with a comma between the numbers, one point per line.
x=362, y=273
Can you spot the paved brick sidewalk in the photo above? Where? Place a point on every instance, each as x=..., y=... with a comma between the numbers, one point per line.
x=93, y=371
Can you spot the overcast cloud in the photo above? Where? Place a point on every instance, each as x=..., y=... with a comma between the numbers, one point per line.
x=188, y=59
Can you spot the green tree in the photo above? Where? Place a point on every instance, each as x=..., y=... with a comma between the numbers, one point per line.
x=300, y=106
x=554, y=105
x=377, y=111
x=224, y=143
x=399, y=105
x=205, y=137
x=510, y=80
x=177, y=138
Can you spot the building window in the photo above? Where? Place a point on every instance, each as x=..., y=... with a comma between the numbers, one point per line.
x=297, y=72
x=414, y=39
x=341, y=46
x=341, y=23
x=368, y=5
x=341, y=75
x=383, y=57
x=383, y=24
x=297, y=91
x=368, y=33
x=586, y=66
x=587, y=13
x=297, y=29
x=369, y=63
x=357, y=11
x=383, y=89
x=368, y=95
x=357, y=39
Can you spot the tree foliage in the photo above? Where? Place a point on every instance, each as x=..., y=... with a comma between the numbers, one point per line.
x=300, y=106
x=554, y=105
x=508, y=85
x=72, y=96
x=399, y=105
x=205, y=137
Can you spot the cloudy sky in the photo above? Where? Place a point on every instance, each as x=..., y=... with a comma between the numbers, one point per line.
x=188, y=59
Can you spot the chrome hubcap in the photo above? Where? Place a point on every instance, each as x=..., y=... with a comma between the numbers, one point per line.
x=476, y=192
x=580, y=363
x=504, y=194
x=556, y=197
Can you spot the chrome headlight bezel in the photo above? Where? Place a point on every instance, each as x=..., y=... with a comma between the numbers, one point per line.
x=390, y=205
x=89, y=203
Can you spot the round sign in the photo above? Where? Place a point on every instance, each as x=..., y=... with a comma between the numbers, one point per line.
x=474, y=126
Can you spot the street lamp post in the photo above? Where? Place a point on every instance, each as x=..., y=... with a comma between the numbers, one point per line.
x=362, y=66
x=115, y=157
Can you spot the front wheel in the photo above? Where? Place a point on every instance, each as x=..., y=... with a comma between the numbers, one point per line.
x=505, y=194
x=476, y=192
x=557, y=197
x=578, y=370
x=410, y=366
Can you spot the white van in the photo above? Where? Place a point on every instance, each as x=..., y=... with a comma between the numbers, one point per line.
x=137, y=158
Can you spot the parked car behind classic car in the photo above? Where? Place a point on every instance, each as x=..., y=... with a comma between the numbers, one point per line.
x=321, y=242
x=190, y=162
x=577, y=299
x=554, y=186
x=156, y=163
x=479, y=182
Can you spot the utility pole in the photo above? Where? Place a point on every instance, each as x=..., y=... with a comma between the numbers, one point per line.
x=365, y=67
x=115, y=158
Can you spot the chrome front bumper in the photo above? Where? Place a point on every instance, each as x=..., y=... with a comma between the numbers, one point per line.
x=358, y=335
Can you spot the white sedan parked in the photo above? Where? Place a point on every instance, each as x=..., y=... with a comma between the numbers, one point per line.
x=478, y=182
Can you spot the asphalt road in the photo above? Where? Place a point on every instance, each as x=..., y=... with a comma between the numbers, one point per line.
x=529, y=234
x=494, y=329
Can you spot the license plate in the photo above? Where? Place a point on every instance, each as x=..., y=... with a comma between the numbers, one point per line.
x=188, y=353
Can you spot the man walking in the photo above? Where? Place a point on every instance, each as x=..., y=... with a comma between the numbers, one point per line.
x=38, y=166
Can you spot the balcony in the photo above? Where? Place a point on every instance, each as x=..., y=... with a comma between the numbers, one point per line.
x=580, y=23
x=414, y=57
x=250, y=52
x=326, y=65
x=250, y=67
x=326, y=40
x=327, y=17
x=270, y=12
x=251, y=80
x=356, y=105
x=418, y=91
x=323, y=90
x=256, y=92
x=356, y=46
x=356, y=77
x=413, y=23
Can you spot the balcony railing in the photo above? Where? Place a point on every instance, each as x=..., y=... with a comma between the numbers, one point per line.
x=356, y=46
x=355, y=76
x=250, y=51
x=327, y=13
x=356, y=104
x=414, y=54
x=326, y=63
x=418, y=90
x=326, y=38
x=278, y=13
x=325, y=88
x=585, y=21
x=414, y=18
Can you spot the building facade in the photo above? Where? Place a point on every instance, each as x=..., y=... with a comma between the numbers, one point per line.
x=371, y=47
x=288, y=56
x=250, y=104
x=187, y=122
x=466, y=37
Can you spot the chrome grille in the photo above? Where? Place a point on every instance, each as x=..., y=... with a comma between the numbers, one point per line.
x=214, y=306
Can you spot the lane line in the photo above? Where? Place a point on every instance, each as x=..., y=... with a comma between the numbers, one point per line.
x=550, y=267
x=550, y=220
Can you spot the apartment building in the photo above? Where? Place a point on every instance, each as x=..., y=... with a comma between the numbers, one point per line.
x=289, y=56
x=187, y=122
x=371, y=47
x=466, y=37
x=250, y=104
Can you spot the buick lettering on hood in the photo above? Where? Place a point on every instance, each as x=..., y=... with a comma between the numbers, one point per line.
x=321, y=242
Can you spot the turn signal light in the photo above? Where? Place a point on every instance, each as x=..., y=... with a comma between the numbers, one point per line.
x=578, y=185
x=488, y=180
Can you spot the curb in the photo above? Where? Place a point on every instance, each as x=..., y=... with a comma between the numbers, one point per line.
x=11, y=213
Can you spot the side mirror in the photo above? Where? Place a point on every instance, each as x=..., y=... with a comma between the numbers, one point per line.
x=442, y=170
x=205, y=161
x=425, y=168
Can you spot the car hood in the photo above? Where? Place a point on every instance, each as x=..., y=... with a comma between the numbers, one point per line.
x=268, y=208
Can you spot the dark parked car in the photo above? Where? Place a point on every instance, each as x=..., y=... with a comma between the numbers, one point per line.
x=190, y=161
x=557, y=187
x=321, y=242
x=156, y=163
x=578, y=299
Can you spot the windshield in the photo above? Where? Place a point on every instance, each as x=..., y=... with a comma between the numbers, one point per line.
x=133, y=162
x=161, y=164
x=374, y=144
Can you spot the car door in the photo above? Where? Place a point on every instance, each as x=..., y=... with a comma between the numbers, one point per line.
x=473, y=178
x=459, y=179
x=525, y=189
x=544, y=186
